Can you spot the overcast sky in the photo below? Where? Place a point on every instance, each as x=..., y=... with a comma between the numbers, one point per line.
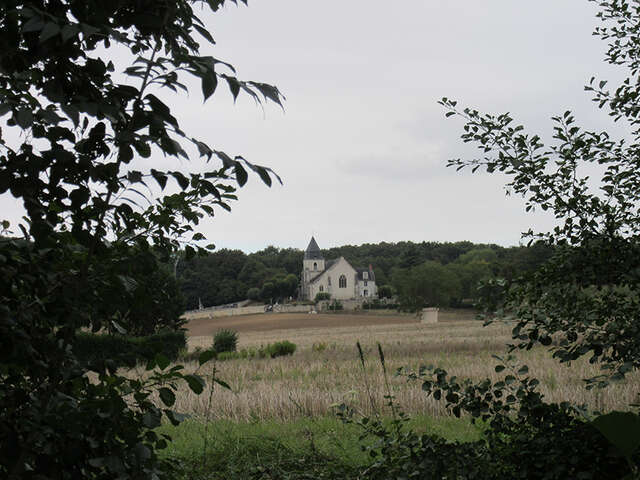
x=362, y=144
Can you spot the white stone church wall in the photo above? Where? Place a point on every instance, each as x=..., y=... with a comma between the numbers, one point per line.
x=338, y=269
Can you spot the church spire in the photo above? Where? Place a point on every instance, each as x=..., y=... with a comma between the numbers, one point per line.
x=313, y=251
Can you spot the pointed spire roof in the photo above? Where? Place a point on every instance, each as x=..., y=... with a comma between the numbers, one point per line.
x=313, y=251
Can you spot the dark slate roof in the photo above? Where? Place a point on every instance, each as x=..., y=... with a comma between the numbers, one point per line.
x=327, y=266
x=313, y=251
x=360, y=271
x=329, y=263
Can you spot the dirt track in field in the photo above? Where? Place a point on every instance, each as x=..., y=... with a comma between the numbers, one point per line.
x=284, y=321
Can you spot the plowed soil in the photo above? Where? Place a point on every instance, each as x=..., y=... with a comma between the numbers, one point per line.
x=284, y=321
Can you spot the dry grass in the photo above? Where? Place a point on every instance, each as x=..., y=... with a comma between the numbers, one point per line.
x=310, y=381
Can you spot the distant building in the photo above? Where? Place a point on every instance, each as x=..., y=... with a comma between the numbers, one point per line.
x=335, y=277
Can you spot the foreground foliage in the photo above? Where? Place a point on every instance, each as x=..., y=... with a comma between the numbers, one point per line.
x=82, y=129
x=582, y=302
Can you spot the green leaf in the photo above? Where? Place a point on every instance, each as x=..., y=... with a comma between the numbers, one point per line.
x=118, y=327
x=69, y=31
x=125, y=153
x=196, y=383
x=181, y=179
x=234, y=86
x=205, y=33
x=206, y=356
x=34, y=24
x=209, y=84
x=167, y=396
x=5, y=108
x=622, y=429
x=142, y=451
x=24, y=118
x=50, y=30
x=162, y=361
x=222, y=383
x=241, y=174
x=152, y=419
x=175, y=418
x=143, y=149
x=159, y=177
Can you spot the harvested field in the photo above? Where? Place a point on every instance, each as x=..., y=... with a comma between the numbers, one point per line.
x=325, y=368
x=285, y=321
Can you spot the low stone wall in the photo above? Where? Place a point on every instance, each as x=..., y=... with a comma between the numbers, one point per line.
x=255, y=309
x=292, y=308
x=227, y=312
x=352, y=304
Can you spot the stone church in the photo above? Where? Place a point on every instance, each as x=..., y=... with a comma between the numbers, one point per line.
x=335, y=277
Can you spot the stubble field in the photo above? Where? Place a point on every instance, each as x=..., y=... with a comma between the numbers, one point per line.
x=326, y=370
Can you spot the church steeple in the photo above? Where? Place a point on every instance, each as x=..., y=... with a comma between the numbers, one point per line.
x=313, y=251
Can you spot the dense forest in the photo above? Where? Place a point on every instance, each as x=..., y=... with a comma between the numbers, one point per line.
x=448, y=272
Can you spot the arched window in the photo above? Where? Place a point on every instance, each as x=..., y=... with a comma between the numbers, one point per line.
x=342, y=282
x=315, y=266
x=321, y=288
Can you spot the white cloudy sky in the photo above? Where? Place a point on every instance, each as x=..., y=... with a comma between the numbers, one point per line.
x=362, y=144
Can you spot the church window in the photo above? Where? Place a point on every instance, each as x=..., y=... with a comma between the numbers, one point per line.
x=321, y=288
x=365, y=283
x=366, y=293
x=329, y=281
x=343, y=281
x=315, y=266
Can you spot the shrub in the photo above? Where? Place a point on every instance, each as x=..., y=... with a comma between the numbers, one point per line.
x=225, y=340
x=121, y=350
x=386, y=291
x=319, y=347
x=335, y=305
x=376, y=304
x=280, y=349
x=322, y=296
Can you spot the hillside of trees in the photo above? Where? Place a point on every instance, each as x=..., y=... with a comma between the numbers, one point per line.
x=430, y=273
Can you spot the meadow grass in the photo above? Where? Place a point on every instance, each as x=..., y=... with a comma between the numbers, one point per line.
x=278, y=420
x=322, y=447
x=325, y=370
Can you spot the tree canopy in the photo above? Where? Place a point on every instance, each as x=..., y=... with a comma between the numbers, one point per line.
x=85, y=123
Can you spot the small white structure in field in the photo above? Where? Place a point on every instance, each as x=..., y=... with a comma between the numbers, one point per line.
x=429, y=315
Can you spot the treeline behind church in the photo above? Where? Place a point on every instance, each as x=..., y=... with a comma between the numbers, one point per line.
x=228, y=276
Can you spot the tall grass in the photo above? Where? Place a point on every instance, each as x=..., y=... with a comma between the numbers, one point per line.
x=322, y=447
x=308, y=383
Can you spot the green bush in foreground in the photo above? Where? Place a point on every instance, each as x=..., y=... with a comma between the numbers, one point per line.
x=225, y=340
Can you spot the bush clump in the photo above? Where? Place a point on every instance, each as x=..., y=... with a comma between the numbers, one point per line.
x=270, y=350
x=319, y=346
x=335, y=305
x=281, y=349
x=376, y=304
x=225, y=340
x=322, y=296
